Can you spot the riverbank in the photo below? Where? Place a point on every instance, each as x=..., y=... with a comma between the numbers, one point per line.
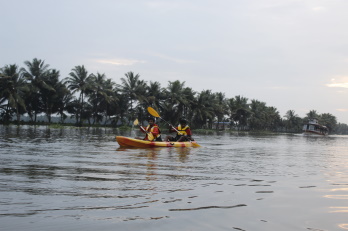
x=129, y=128
x=196, y=131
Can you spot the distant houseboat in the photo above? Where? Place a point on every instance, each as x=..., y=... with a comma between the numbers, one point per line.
x=314, y=128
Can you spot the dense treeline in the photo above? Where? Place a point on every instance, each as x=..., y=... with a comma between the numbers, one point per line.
x=94, y=99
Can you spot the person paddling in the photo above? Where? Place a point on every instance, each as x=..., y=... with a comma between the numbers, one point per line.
x=153, y=133
x=183, y=132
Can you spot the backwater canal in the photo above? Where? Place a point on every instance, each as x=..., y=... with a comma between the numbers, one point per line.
x=80, y=179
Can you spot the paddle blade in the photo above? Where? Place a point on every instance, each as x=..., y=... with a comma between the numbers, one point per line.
x=136, y=122
x=153, y=112
x=150, y=136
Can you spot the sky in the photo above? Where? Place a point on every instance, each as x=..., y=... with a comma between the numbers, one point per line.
x=290, y=54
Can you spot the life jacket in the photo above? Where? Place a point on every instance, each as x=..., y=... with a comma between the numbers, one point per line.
x=182, y=131
x=151, y=130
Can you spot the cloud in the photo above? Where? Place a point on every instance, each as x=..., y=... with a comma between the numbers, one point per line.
x=341, y=82
x=176, y=60
x=119, y=62
x=318, y=8
x=342, y=109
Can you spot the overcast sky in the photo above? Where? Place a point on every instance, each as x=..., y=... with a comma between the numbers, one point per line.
x=290, y=54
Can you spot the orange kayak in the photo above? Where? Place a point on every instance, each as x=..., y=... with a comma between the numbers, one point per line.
x=130, y=142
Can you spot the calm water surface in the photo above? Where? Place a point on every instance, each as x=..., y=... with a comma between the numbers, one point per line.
x=80, y=179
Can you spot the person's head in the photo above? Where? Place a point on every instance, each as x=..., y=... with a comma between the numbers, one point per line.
x=151, y=120
x=183, y=121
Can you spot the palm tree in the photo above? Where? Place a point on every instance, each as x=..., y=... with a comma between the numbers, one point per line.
x=258, y=116
x=242, y=113
x=312, y=114
x=12, y=88
x=154, y=94
x=100, y=95
x=293, y=121
x=36, y=73
x=231, y=108
x=190, y=97
x=48, y=95
x=134, y=89
x=272, y=118
x=290, y=115
x=65, y=98
x=329, y=121
x=109, y=98
x=220, y=107
x=79, y=81
x=203, y=110
x=52, y=98
x=72, y=107
x=175, y=101
x=95, y=92
x=119, y=108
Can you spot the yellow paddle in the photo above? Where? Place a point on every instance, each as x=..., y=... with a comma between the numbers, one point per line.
x=136, y=122
x=149, y=134
x=154, y=113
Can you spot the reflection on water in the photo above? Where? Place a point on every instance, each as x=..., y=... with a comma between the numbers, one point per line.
x=79, y=178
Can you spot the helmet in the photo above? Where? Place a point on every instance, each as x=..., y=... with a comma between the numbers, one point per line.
x=183, y=121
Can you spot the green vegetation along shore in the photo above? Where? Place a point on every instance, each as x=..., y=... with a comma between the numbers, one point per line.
x=92, y=99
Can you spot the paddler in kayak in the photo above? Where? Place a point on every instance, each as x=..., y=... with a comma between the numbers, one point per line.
x=183, y=132
x=153, y=133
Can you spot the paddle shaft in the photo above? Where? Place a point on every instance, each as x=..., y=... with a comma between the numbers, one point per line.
x=171, y=126
x=149, y=134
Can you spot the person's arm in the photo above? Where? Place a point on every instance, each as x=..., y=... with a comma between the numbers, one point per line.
x=171, y=129
x=189, y=134
x=188, y=131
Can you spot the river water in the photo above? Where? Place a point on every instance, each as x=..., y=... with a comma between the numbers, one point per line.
x=80, y=179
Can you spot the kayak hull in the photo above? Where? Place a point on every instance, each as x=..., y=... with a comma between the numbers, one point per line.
x=130, y=142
